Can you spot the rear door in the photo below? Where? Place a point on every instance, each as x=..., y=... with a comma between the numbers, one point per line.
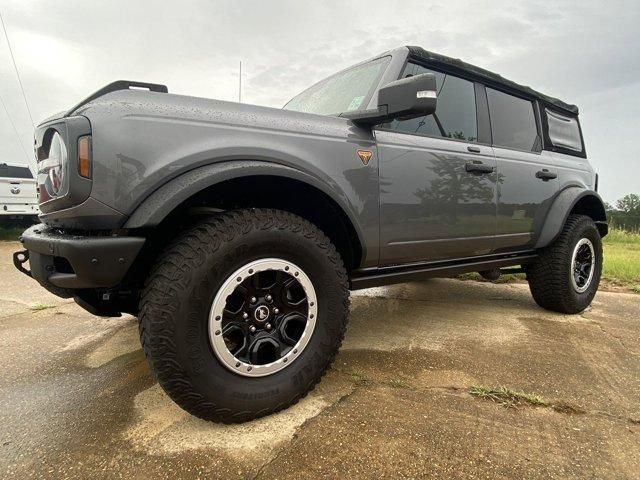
x=437, y=181
x=527, y=179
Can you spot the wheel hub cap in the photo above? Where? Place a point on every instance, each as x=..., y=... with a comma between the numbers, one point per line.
x=262, y=317
x=261, y=314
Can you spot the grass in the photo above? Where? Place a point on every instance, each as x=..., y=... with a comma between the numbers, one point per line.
x=359, y=378
x=11, y=233
x=36, y=307
x=506, y=397
x=398, y=383
x=622, y=259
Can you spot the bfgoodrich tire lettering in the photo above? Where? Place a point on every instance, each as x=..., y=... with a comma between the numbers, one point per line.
x=177, y=298
x=551, y=276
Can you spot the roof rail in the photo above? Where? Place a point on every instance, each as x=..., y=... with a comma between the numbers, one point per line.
x=120, y=85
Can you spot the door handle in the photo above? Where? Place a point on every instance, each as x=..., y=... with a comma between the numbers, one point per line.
x=473, y=149
x=478, y=167
x=545, y=175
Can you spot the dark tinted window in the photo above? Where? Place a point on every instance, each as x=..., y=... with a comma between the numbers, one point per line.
x=455, y=115
x=513, y=123
x=9, y=171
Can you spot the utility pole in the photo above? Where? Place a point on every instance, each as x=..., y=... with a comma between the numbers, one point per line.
x=240, y=84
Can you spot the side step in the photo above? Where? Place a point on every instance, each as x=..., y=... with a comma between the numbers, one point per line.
x=375, y=277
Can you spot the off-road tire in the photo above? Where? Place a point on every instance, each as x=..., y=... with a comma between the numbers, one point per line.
x=550, y=275
x=177, y=298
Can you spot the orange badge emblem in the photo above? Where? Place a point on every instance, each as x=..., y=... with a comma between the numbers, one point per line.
x=365, y=156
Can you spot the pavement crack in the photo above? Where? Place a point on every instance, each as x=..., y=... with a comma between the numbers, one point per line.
x=360, y=381
x=616, y=337
x=287, y=445
x=613, y=416
x=268, y=463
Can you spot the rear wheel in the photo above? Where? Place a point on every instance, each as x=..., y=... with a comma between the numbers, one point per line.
x=244, y=313
x=565, y=276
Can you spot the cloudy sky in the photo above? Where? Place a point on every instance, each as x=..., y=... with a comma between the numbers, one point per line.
x=583, y=51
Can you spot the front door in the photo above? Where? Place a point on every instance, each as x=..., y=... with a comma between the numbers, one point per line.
x=437, y=183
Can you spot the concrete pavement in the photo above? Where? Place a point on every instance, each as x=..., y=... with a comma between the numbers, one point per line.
x=78, y=401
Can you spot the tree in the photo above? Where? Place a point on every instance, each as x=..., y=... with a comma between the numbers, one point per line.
x=452, y=186
x=608, y=208
x=629, y=204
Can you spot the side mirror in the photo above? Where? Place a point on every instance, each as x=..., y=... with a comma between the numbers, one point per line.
x=405, y=98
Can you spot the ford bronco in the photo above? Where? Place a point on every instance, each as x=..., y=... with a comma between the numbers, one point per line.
x=235, y=232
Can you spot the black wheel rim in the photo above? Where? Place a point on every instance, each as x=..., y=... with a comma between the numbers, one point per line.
x=582, y=265
x=263, y=317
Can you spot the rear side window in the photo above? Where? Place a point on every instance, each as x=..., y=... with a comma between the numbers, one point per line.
x=564, y=131
x=10, y=171
x=455, y=115
x=513, y=123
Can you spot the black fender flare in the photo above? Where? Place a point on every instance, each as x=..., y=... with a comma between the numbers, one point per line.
x=563, y=205
x=170, y=195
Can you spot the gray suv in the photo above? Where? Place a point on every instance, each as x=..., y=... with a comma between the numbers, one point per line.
x=235, y=232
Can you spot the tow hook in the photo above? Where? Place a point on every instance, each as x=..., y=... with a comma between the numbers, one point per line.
x=19, y=259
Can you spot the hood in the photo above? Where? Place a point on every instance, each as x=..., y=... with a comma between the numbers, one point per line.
x=154, y=105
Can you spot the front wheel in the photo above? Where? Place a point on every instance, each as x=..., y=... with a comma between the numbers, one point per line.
x=565, y=276
x=244, y=313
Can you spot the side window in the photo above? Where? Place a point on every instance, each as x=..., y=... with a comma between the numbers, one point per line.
x=455, y=115
x=564, y=131
x=513, y=123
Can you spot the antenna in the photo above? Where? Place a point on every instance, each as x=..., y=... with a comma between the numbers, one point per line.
x=240, y=84
x=15, y=67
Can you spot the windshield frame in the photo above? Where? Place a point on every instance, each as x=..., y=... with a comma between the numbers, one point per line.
x=365, y=102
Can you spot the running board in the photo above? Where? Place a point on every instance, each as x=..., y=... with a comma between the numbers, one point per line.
x=377, y=277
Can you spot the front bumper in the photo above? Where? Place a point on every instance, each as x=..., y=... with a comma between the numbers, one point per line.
x=62, y=262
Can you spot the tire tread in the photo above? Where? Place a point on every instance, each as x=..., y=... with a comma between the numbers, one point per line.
x=547, y=275
x=170, y=275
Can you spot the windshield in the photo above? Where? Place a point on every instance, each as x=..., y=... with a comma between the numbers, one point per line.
x=347, y=91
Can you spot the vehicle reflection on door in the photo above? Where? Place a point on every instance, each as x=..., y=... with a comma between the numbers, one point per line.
x=431, y=205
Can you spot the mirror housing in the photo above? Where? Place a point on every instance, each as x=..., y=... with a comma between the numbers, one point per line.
x=406, y=98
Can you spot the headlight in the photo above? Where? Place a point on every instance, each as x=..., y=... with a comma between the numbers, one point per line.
x=56, y=164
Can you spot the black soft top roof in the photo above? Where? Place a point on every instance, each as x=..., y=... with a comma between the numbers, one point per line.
x=483, y=75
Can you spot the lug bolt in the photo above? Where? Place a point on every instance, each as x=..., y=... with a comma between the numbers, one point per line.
x=245, y=315
x=276, y=311
x=268, y=298
x=253, y=300
x=268, y=326
x=252, y=329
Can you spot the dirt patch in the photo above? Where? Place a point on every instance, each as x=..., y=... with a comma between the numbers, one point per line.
x=425, y=325
x=101, y=328
x=123, y=341
x=162, y=428
x=432, y=377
